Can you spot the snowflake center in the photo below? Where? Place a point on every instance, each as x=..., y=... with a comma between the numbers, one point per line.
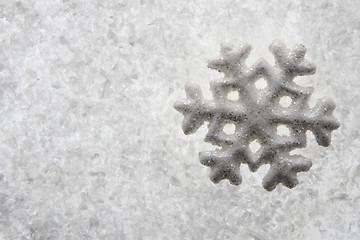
x=257, y=115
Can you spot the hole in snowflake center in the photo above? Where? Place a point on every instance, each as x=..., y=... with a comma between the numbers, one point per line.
x=285, y=101
x=233, y=95
x=283, y=131
x=254, y=146
x=261, y=84
x=229, y=128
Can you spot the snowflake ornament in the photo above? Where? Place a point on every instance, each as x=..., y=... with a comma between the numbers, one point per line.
x=257, y=114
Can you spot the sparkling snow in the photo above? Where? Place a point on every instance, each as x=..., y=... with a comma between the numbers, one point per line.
x=91, y=146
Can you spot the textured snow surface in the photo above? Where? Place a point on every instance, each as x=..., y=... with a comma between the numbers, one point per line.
x=91, y=146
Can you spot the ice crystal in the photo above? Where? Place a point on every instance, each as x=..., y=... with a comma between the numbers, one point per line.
x=257, y=114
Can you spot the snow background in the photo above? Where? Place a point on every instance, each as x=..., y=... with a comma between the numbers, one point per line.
x=91, y=147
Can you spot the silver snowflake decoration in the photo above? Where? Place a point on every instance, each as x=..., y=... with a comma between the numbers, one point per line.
x=257, y=115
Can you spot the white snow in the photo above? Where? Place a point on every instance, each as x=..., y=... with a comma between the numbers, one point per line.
x=92, y=148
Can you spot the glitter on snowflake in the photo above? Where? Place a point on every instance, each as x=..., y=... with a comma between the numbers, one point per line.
x=258, y=111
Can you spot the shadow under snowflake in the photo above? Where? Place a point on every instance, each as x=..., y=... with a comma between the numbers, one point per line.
x=266, y=100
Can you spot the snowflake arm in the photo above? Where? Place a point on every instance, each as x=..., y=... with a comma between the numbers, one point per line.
x=194, y=108
x=231, y=60
x=256, y=115
x=223, y=166
x=322, y=122
x=284, y=171
x=291, y=63
x=319, y=120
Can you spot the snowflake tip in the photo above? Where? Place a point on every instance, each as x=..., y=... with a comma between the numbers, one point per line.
x=229, y=58
x=292, y=61
x=191, y=124
x=222, y=167
x=325, y=122
x=325, y=107
x=284, y=171
x=218, y=64
x=207, y=159
x=323, y=137
x=191, y=109
x=194, y=97
x=278, y=49
x=226, y=172
x=226, y=48
x=193, y=91
x=299, y=51
x=305, y=68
